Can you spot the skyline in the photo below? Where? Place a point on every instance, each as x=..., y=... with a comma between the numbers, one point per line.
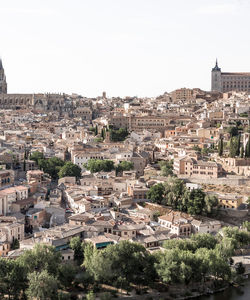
x=126, y=48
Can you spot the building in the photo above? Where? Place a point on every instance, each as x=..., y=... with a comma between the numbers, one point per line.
x=225, y=82
x=3, y=83
x=182, y=94
x=191, y=167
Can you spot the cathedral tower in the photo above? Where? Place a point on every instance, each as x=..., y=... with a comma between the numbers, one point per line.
x=216, y=78
x=3, y=83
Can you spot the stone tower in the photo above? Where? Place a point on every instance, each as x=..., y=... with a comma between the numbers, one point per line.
x=216, y=78
x=3, y=83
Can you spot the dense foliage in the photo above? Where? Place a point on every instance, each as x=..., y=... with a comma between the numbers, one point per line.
x=166, y=167
x=174, y=193
x=54, y=166
x=40, y=274
x=118, y=135
x=98, y=165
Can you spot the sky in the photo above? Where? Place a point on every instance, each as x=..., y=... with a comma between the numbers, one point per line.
x=124, y=47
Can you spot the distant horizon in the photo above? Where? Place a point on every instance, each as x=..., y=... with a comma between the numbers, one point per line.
x=128, y=48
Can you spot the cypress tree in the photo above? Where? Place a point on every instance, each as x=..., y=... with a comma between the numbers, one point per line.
x=247, y=149
x=220, y=147
x=96, y=130
x=242, y=152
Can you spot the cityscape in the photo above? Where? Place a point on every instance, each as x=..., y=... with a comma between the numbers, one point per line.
x=126, y=197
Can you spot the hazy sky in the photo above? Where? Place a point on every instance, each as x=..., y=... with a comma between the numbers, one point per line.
x=123, y=47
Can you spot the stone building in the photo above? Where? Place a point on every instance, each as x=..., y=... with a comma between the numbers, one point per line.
x=225, y=82
x=3, y=83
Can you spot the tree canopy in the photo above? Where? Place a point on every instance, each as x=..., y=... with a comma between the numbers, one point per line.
x=98, y=165
x=70, y=169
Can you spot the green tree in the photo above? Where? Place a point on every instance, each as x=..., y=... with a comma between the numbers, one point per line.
x=118, y=135
x=196, y=202
x=15, y=245
x=121, y=265
x=36, y=156
x=234, y=146
x=96, y=129
x=70, y=169
x=90, y=296
x=42, y=286
x=98, y=165
x=242, y=151
x=77, y=245
x=166, y=168
x=211, y=204
x=233, y=131
x=246, y=225
x=41, y=257
x=156, y=193
x=247, y=149
x=220, y=147
x=124, y=166
x=13, y=280
x=66, y=275
x=103, y=133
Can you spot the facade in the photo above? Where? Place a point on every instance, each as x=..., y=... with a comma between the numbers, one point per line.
x=191, y=167
x=226, y=82
x=182, y=94
x=3, y=83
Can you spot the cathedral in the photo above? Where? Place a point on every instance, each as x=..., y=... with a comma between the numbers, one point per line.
x=227, y=82
x=3, y=83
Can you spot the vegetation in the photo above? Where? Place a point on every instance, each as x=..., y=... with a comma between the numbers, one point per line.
x=234, y=146
x=166, y=167
x=39, y=273
x=55, y=167
x=124, y=166
x=247, y=149
x=98, y=165
x=118, y=135
x=220, y=147
x=175, y=194
x=70, y=169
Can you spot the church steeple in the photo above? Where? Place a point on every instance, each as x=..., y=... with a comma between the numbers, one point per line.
x=216, y=68
x=3, y=83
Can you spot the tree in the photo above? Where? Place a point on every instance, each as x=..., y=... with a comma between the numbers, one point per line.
x=242, y=152
x=118, y=135
x=36, y=156
x=121, y=264
x=166, y=168
x=124, y=166
x=211, y=204
x=66, y=274
x=42, y=286
x=246, y=225
x=103, y=133
x=220, y=147
x=98, y=165
x=205, y=240
x=196, y=202
x=90, y=296
x=96, y=129
x=51, y=166
x=15, y=245
x=70, y=169
x=156, y=193
x=233, y=131
x=234, y=146
x=41, y=257
x=77, y=245
x=13, y=281
x=240, y=269
x=247, y=149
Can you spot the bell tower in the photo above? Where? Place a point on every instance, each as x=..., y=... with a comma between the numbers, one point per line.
x=216, y=78
x=3, y=83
